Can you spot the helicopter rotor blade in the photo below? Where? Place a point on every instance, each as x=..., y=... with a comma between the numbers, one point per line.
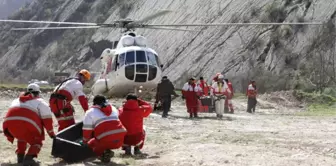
x=174, y=29
x=49, y=22
x=233, y=24
x=150, y=17
x=75, y=27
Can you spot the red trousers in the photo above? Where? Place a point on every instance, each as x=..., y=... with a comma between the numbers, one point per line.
x=228, y=104
x=26, y=136
x=135, y=140
x=114, y=141
x=64, y=112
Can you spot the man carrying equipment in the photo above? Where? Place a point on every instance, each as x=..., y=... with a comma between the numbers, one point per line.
x=220, y=91
x=64, y=93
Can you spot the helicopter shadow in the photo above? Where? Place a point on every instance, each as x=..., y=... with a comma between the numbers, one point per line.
x=226, y=118
x=89, y=162
x=7, y=164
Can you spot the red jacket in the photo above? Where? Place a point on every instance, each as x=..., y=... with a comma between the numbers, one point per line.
x=251, y=91
x=31, y=113
x=132, y=114
x=205, y=88
x=230, y=87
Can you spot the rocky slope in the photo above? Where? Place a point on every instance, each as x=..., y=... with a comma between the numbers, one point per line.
x=278, y=57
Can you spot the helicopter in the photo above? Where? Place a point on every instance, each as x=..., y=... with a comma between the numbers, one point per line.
x=132, y=66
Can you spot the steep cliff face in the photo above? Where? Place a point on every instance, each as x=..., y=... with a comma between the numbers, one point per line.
x=278, y=57
x=8, y=7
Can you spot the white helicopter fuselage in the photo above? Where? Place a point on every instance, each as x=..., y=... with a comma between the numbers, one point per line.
x=128, y=69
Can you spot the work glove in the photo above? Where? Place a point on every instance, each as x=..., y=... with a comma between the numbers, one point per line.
x=82, y=143
x=52, y=136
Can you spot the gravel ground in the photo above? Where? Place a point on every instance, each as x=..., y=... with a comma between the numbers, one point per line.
x=274, y=135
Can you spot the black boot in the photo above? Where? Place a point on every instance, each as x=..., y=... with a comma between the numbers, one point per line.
x=30, y=161
x=106, y=157
x=128, y=150
x=195, y=115
x=20, y=158
x=190, y=115
x=137, y=151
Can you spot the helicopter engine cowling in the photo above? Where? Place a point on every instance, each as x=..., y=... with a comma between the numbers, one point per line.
x=140, y=41
x=127, y=40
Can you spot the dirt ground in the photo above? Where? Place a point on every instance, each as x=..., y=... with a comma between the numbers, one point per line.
x=274, y=135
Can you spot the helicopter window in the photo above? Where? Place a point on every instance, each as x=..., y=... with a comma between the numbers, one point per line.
x=152, y=73
x=114, y=65
x=152, y=59
x=141, y=56
x=129, y=72
x=130, y=57
x=122, y=59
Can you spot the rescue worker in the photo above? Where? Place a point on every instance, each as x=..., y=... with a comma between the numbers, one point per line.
x=220, y=91
x=215, y=79
x=251, y=97
x=102, y=129
x=204, y=92
x=26, y=120
x=164, y=91
x=191, y=93
x=228, y=100
x=131, y=115
x=64, y=93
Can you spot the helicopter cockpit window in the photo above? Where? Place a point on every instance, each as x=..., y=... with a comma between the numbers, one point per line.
x=141, y=56
x=152, y=59
x=130, y=57
x=122, y=59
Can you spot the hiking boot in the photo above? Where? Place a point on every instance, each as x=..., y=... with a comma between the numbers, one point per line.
x=128, y=150
x=106, y=157
x=195, y=115
x=137, y=151
x=20, y=158
x=30, y=161
x=190, y=115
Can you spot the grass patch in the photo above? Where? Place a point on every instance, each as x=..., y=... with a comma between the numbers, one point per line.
x=319, y=110
x=239, y=96
x=23, y=87
x=318, y=104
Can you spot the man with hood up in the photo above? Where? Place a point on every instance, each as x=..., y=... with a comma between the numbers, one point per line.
x=164, y=91
x=102, y=129
x=26, y=120
x=131, y=115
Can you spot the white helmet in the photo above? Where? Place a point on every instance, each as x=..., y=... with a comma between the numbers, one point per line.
x=33, y=88
x=221, y=76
